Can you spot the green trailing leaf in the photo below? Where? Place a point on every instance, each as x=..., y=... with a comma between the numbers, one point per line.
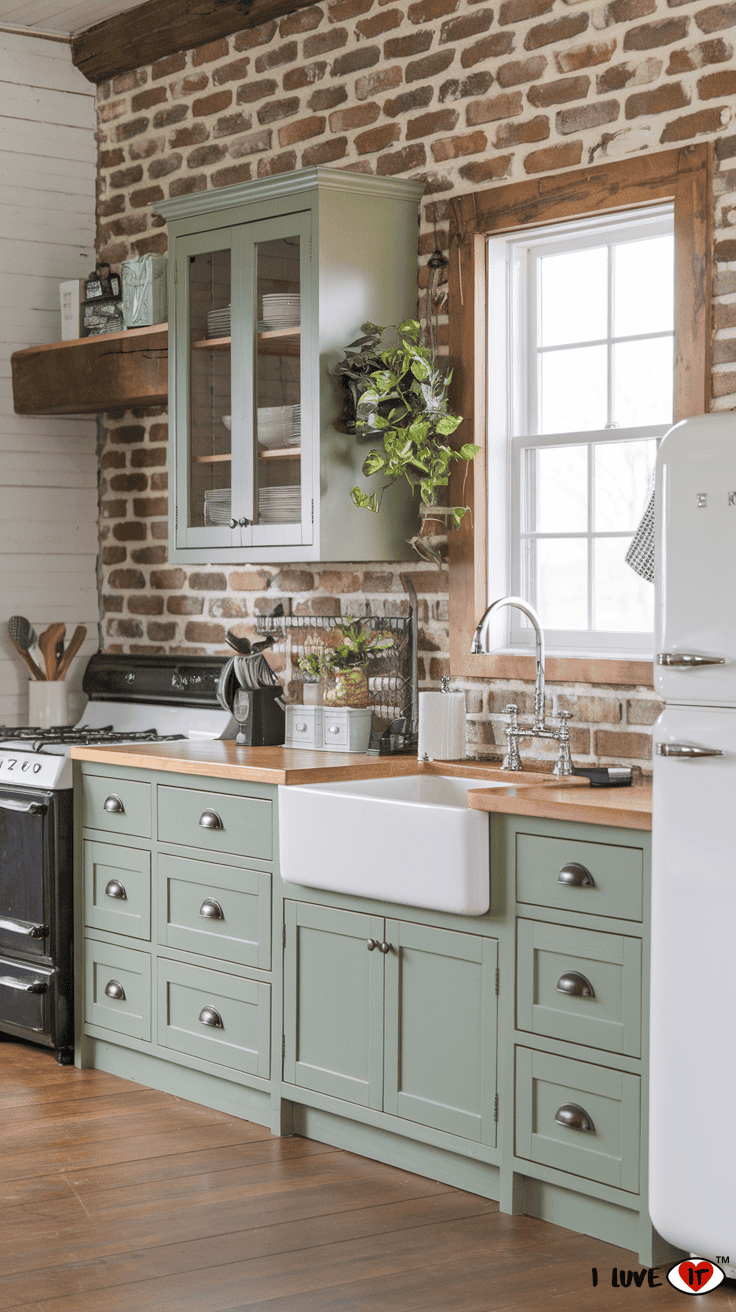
x=364, y=500
x=374, y=463
x=468, y=451
x=458, y=514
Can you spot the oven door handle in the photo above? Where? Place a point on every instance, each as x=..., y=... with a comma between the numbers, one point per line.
x=26, y=927
x=35, y=986
x=28, y=808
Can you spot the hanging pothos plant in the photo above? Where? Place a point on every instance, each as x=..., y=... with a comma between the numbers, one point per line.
x=401, y=400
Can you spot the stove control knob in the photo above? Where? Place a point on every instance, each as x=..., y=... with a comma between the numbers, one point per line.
x=115, y=990
x=114, y=803
x=116, y=889
x=130, y=676
x=210, y=820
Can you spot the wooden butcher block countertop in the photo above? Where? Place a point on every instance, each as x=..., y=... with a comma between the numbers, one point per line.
x=530, y=793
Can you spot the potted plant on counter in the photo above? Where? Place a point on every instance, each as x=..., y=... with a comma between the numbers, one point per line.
x=344, y=665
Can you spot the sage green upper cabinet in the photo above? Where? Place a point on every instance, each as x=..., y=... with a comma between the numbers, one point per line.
x=268, y=282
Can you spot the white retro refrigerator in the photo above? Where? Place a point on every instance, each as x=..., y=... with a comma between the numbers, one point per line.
x=692, y=1153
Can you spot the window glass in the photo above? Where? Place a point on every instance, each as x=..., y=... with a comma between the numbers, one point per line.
x=622, y=472
x=561, y=582
x=643, y=286
x=560, y=482
x=642, y=381
x=573, y=390
x=573, y=297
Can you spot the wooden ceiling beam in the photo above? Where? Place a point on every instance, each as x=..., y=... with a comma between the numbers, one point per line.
x=163, y=27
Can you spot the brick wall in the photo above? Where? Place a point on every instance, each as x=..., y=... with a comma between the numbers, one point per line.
x=458, y=94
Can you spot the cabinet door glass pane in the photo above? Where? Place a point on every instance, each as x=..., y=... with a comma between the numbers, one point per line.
x=210, y=406
x=278, y=385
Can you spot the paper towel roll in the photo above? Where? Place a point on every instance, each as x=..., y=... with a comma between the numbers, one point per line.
x=441, y=726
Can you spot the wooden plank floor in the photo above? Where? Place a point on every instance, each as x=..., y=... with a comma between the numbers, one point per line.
x=117, y=1198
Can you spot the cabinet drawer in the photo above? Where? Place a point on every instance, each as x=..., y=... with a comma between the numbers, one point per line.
x=599, y=878
x=215, y=910
x=580, y=986
x=606, y=1101
x=128, y=809
x=241, y=826
x=239, y=1012
x=117, y=889
x=117, y=989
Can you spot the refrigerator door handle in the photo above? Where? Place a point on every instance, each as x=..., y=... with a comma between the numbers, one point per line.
x=684, y=751
x=686, y=660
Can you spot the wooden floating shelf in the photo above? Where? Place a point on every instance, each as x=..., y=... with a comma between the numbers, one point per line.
x=281, y=453
x=274, y=341
x=211, y=460
x=93, y=374
x=212, y=344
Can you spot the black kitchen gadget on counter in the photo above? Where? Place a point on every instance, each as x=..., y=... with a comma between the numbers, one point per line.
x=606, y=776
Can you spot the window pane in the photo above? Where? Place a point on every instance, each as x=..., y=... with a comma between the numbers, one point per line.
x=643, y=382
x=561, y=500
x=622, y=474
x=643, y=286
x=622, y=602
x=572, y=390
x=562, y=590
x=573, y=297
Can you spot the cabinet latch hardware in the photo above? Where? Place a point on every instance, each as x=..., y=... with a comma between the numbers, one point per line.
x=495, y=1108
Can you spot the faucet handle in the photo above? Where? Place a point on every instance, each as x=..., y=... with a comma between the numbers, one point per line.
x=512, y=710
x=564, y=716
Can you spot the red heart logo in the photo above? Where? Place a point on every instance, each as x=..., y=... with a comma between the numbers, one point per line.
x=695, y=1275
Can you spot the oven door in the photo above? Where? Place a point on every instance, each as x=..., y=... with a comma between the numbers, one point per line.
x=24, y=872
x=28, y=1003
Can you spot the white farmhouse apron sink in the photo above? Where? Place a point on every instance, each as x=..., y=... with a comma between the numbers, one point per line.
x=410, y=840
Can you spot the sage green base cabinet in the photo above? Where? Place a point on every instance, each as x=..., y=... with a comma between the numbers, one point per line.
x=505, y=1054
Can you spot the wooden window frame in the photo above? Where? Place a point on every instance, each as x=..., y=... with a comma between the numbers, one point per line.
x=680, y=176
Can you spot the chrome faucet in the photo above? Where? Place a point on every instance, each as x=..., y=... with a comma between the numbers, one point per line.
x=515, y=731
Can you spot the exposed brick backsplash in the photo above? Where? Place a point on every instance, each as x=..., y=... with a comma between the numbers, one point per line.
x=456, y=93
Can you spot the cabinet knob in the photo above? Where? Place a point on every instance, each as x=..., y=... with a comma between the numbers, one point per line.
x=334, y=728
x=115, y=990
x=233, y=523
x=208, y=1016
x=575, y=984
x=210, y=820
x=384, y=948
x=211, y=909
x=301, y=727
x=574, y=1117
x=371, y=944
x=115, y=889
x=114, y=803
x=244, y=523
x=576, y=876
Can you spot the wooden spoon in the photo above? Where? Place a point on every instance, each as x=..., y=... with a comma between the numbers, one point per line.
x=77, y=638
x=47, y=646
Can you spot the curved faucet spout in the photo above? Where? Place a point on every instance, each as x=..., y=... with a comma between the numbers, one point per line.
x=480, y=644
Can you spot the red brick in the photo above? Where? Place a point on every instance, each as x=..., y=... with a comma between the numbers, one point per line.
x=157, y=245
x=669, y=96
x=716, y=17
x=205, y=155
x=159, y=631
x=419, y=98
x=323, y=42
x=401, y=161
x=168, y=65
x=107, y=208
x=113, y=252
x=213, y=104
x=354, y=60
x=233, y=174
x=517, y=11
x=166, y=118
x=186, y=86
x=304, y=76
x=559, y=30
x=724, y=316
x=149, y=555
x=558, y=93
x=232, y=71
x=723, y=384
x=131, y=531
x=168, y=580
x=231, y=124
x=402, y=47
x=191, y=136
x=442, y=120
x=581, y=117
x=726, y=148
x=144, y=149
x=652, y=35
x=357, y=116
x=268, y=168
x=428, y=67
x=255, y=36
x=109, y=159
x=454, y=147
x=112, y=605
x=380, y=23
x=629, y=75
x=369, y=143
x=426, y=11
x=213, y=50
x=200, y=582
x=276, y=109
x=489, y=47
x=554, y=157
x=146, y=196
x=521, y=70
x=506, y=105
x=487, y=170
x=188, y=186
x=725, y=251
x=340, y=11
x=515, y=134
x=129, y=81
x=127, y=579
x=302, y=130
x=285, y=54
x=146, y=605
x=327, y=98
x=147, y=456
x=160, y=168
x=692, y=57
x=124, y=131
x=467, y=25
x=724, y=352
x=252, y=91
x=197, y=631
x=325, y=152
x=692, y=125
x=113, y=555
x=371, y=84
x=625, y=11
x=146, y=99
x=127, y=226
x=717, y=85
x=597, y=52
x=304, y=20
x=128, y=483
x=634, y=746
x=115, y=109
x=185, y=605
x=460, y=88
x=252, y=144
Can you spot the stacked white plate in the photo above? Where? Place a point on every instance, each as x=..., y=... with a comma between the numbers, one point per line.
x=280, y=505
x=279, y=425
x=218, y=323
x=217, y=506
x=281, y=309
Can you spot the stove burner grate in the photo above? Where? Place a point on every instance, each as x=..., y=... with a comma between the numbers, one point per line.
x=81, y=734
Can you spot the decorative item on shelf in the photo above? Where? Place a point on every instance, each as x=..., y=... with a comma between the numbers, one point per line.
x=144, y=290
x=400, y=398
x=343, y=664
x=328, y=728
x=103, y=311
x=71, y=298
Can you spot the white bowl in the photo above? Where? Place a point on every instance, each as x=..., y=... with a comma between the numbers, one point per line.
x=227, y=421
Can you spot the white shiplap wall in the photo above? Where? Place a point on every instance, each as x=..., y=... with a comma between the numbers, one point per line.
x=48, y=466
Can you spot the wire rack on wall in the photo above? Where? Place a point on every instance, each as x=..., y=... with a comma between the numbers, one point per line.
x=389, y=676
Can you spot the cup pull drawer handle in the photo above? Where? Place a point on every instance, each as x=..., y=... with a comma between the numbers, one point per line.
x=576, y=876
x=574, y=1117
x=116, y=889
x=208, y=1016
x=211, y=909
x=210, y=820
x=115, y=990
x=114, y=803
x=575, y=984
